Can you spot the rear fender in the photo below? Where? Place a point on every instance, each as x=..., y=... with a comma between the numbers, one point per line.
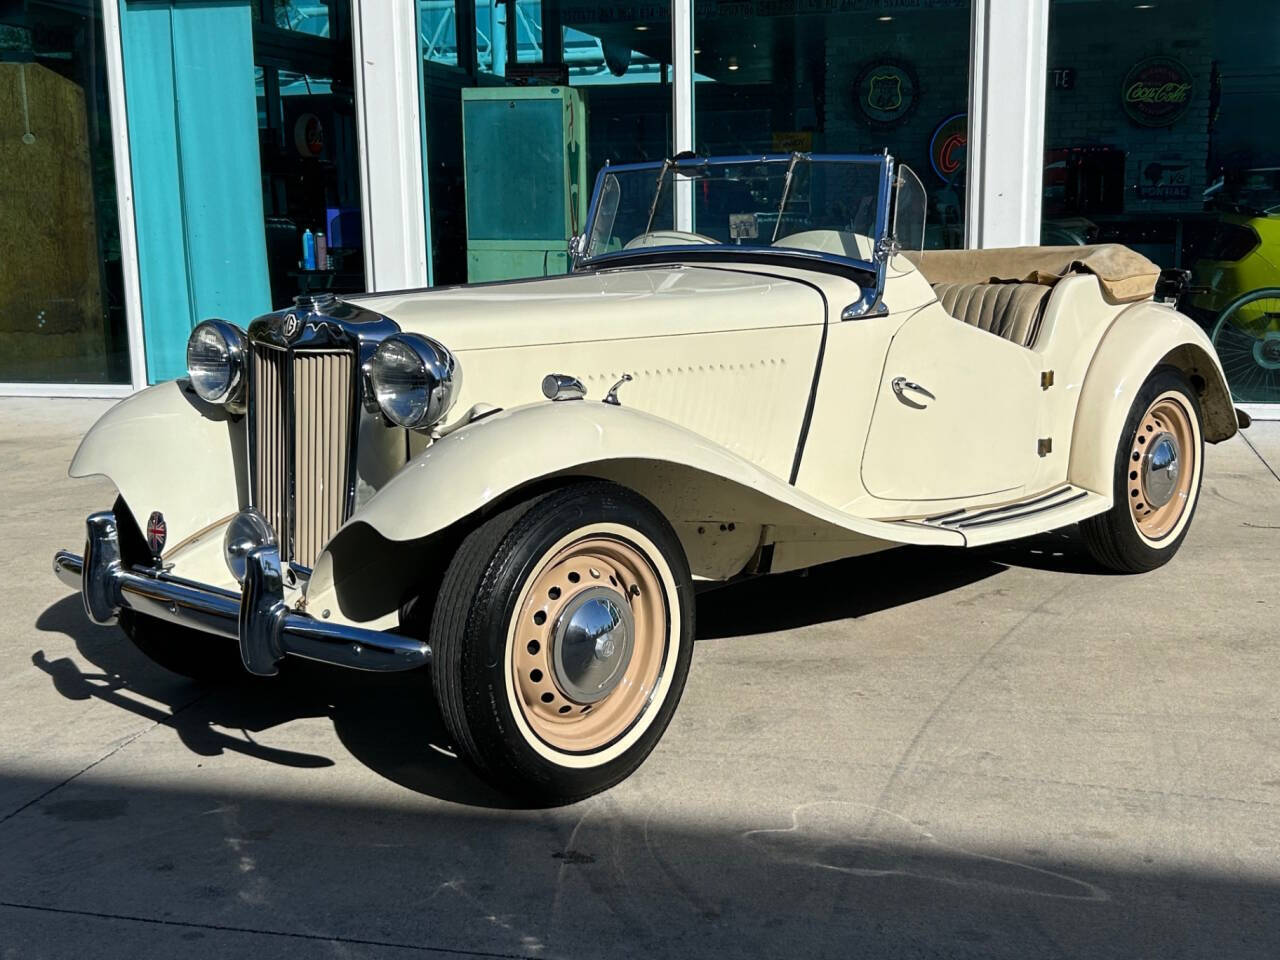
x=1142, y=338
x=165, y=449
x=722, y=507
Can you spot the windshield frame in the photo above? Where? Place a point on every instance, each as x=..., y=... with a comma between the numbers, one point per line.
x=702, y=251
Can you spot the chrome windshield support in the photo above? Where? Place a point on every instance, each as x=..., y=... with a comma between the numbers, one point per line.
x=258, y=619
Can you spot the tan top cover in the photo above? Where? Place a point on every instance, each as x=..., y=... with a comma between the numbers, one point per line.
x=1125, y=275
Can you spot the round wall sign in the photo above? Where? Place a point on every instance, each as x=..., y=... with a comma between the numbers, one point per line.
x=308, y=135
x=885, y=92
x=949, y=147
x=1157, y=91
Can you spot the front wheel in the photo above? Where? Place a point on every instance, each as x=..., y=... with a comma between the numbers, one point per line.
x=561, y=638
x=1158, y=469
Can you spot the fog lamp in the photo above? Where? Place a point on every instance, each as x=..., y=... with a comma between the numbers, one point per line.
x=247, y=531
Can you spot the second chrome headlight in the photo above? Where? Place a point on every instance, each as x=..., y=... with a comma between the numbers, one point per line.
x=415, y=380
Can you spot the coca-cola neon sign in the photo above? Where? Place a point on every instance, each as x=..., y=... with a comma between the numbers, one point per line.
x=1157, y=91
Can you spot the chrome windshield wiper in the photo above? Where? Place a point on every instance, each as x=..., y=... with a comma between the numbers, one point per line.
x=786, y=191
x=657, y=194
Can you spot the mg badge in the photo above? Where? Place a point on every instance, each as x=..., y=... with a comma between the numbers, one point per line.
x=291, y=326
x=156, y=532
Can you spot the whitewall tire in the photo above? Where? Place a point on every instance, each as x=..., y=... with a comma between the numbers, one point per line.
x=561, y=638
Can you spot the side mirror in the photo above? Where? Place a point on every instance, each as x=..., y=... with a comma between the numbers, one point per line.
x=577, y=243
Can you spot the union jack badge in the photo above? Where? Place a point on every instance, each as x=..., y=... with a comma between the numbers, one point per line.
x=156, y=532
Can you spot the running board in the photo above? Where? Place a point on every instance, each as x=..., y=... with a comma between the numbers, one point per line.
x=1047, y=511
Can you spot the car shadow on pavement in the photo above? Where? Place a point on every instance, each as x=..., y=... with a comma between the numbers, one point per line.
x=1058, y=551
x=388, y=722
x=841, y=590
x=864, y=585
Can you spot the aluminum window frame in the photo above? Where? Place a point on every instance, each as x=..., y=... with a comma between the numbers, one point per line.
x=113, y=55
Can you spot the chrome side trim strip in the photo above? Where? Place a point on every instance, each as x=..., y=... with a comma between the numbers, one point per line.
x=968, y=518
x=1025, y=513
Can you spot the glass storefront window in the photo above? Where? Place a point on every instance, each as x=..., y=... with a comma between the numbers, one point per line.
x=61, y=288
x=514, y=139
x=310, y=185
x=882, y=75
x=1153, y=139
x=305, y=16
x=438, y=31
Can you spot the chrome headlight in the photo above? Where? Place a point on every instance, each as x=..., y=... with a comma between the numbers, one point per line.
x=415, y=380
x=215, y=361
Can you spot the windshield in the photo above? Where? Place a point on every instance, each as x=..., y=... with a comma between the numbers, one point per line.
x=832, y=205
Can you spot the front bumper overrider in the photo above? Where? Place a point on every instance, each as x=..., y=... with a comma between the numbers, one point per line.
x=258, y=618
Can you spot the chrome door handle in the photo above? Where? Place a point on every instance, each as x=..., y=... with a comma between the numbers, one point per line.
x=901, y=384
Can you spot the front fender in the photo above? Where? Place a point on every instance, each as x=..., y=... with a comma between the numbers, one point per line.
x=165, y=449
x=1143, y=337
x=722, y=507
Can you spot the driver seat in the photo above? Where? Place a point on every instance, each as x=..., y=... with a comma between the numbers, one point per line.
x=1010, y=310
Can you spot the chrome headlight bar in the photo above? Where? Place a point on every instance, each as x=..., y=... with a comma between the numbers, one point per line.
x=216, y=362
x=415, y=379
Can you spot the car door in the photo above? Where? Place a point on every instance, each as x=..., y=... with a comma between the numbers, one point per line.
x=956, y=413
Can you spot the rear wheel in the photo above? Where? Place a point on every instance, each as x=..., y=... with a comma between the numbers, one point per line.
x=561, y=638
x=1158, y=469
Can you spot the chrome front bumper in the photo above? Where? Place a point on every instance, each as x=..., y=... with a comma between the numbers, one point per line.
x=257, y=618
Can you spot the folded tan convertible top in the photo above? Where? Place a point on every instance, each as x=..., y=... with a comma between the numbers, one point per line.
x=1124, y=274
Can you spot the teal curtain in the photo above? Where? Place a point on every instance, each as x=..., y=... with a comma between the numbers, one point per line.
x=197, y=180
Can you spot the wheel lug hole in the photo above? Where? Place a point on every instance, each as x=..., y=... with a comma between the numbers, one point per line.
x=554, y=593
x=548, y=697
x=536, y=677
x=565, y=709
x=533, y=648
x=540, y=617
x=574, y=576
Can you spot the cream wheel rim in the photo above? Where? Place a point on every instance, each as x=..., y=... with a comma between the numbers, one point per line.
x=1162, y=467
x=589, y=643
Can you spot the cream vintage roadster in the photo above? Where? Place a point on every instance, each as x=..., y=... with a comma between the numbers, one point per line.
x=751, y=368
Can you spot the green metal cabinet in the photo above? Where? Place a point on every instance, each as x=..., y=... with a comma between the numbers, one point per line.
x=525, y=162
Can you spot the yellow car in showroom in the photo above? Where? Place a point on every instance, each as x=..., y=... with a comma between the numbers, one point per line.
x=750, y=369
x=1241, y=253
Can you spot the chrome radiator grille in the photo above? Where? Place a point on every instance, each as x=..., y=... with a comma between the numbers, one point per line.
x=302, y=416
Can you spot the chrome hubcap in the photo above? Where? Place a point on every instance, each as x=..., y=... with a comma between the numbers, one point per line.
x=1266, y=351
x=1160, y=468
x=592, y=643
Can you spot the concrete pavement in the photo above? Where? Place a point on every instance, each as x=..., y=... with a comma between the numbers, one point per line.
x=1002, y=753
